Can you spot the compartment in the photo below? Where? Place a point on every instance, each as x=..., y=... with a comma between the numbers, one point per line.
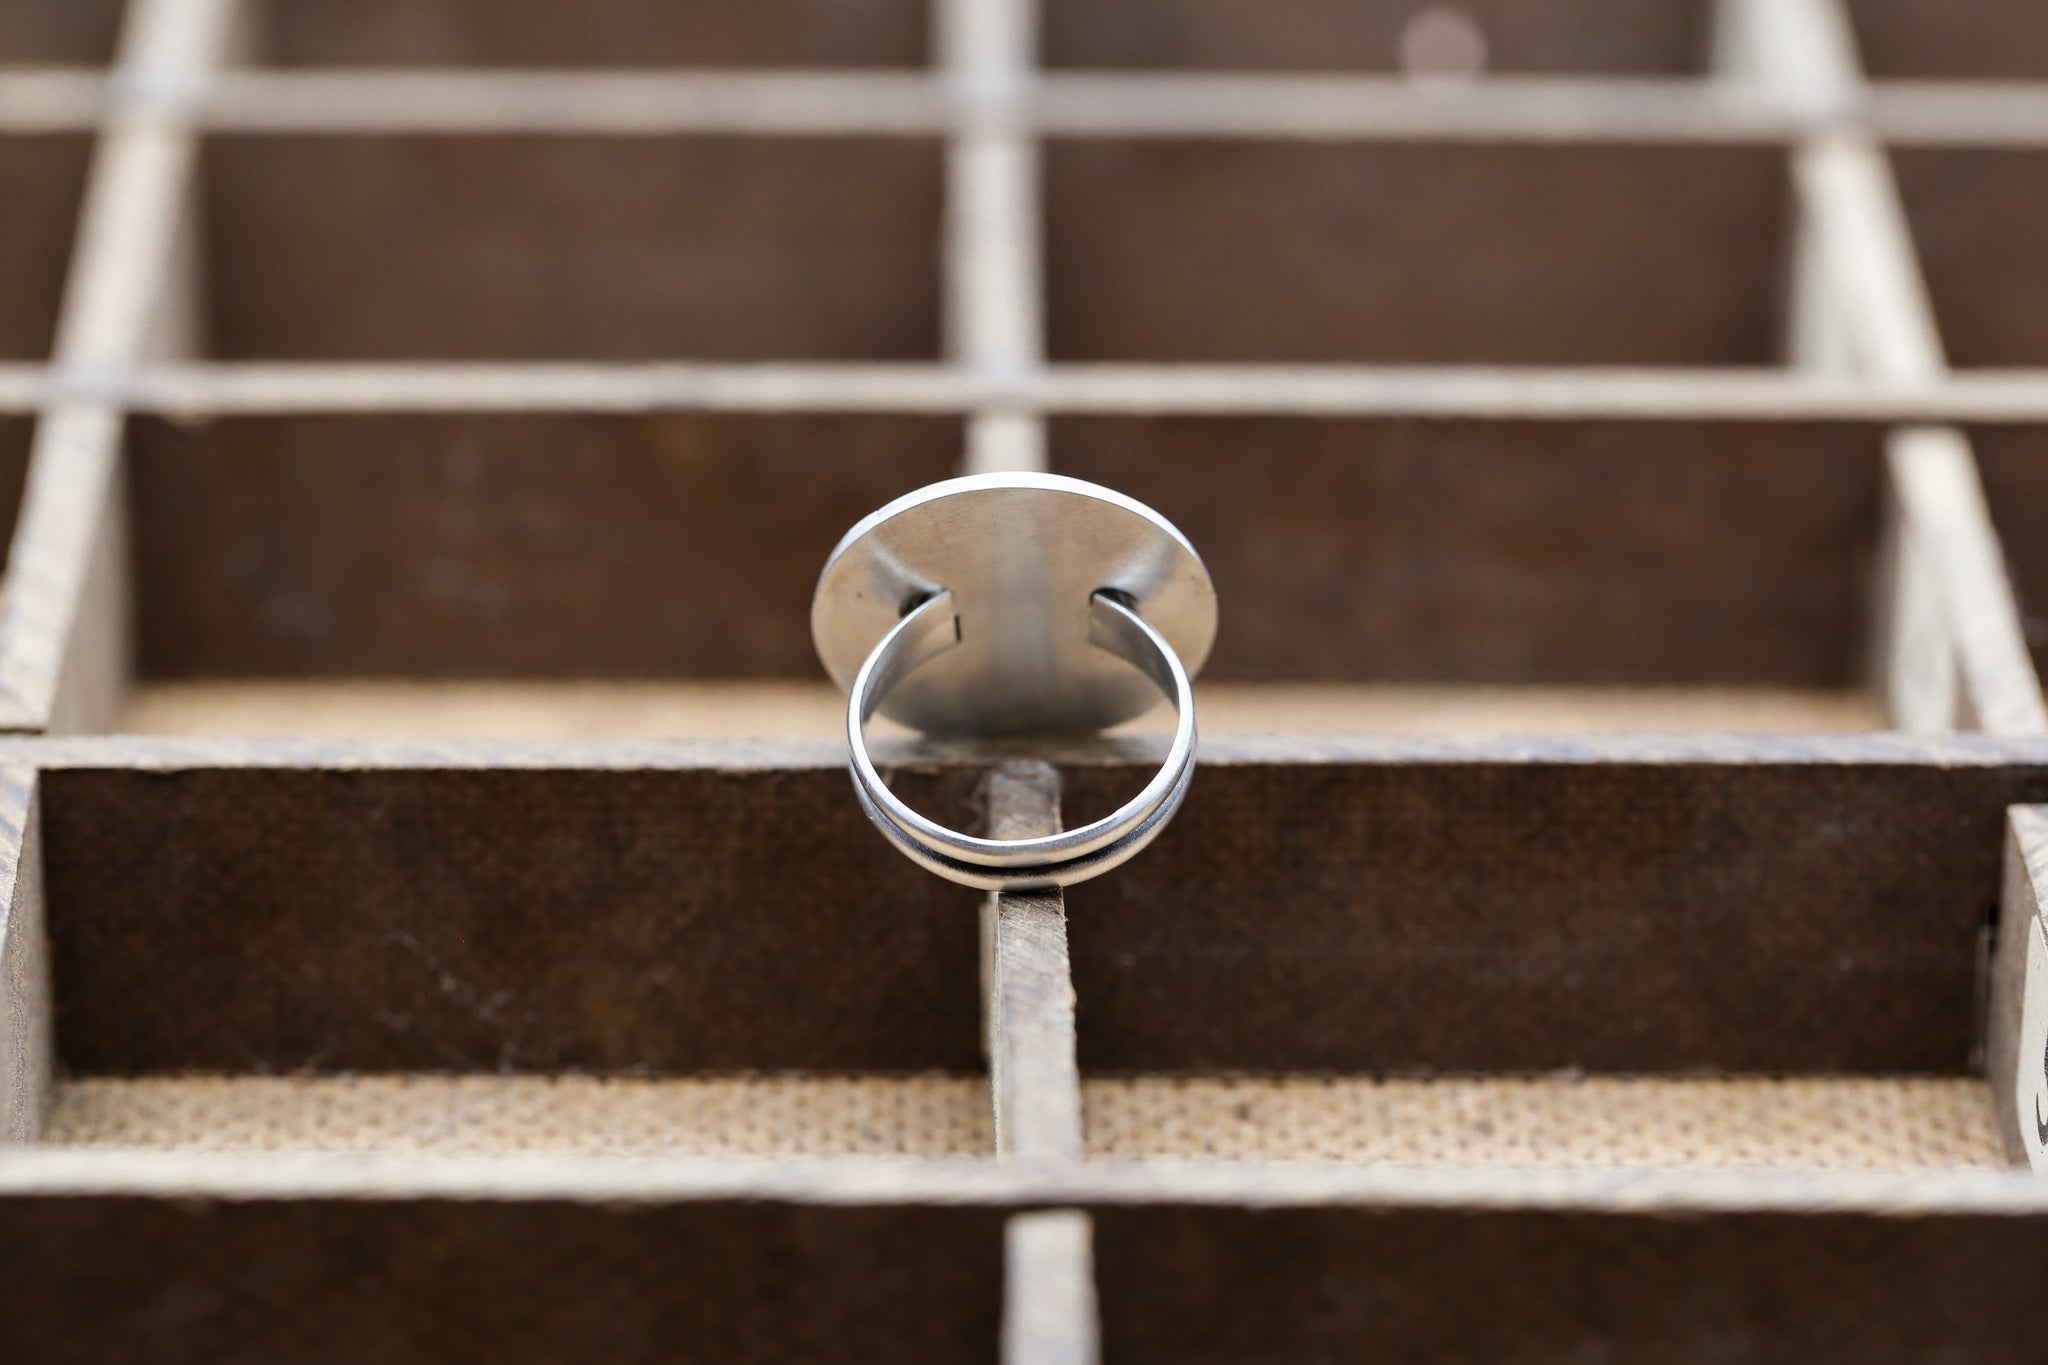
x=1467, y=900
x=473, y=247
x=67, y=33
x=1420, y=36
x=567, y=572
x=1951, y=39
x=613, y=33
x=404, y=1276
x=1674, y=573
x=2014, y=465
x=672, y=960
x=1457, y=1274
x=1978, y=216
x=1709, y=956
x=1414, y=252
x=1720, y=954
x=1627, y=907
x=41, y=181
x=600, y=33
x=544, y=574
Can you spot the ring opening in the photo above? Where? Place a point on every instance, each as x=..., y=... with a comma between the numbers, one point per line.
x=1084, y=849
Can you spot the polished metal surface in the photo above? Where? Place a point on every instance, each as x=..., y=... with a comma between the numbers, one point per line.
x=928, y=633
x=1021, y=555
x=1016, y=604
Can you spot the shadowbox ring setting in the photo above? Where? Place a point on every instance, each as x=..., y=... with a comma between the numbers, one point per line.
x=1005, y=606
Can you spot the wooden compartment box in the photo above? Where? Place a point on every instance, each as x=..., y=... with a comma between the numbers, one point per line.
x=1607, y=921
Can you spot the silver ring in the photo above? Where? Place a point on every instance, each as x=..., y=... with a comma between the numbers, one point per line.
x=1063, y=859
x=1007, y=605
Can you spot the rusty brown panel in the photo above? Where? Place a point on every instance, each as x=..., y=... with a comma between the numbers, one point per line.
x=1660, y=551
x=1434, y=1286
x=66, y=32
x=1949, y=39
x=1979, y=217
x=502, y=545
x=1528, y=917
x=2014, y=461
x=607, y=33
x=41, y=181
x=1414, y=252
x=281, y=920
x=313, y=1280
x=1603, y=36
x=599, y=248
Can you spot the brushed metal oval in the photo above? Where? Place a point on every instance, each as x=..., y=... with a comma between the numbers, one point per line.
x=1022, y=556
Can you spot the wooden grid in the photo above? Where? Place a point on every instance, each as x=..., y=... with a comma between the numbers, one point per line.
x=305, y=415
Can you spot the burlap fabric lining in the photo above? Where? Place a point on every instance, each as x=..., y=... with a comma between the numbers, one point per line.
x=1895, y=1124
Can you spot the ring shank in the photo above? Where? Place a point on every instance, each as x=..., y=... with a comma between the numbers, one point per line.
x=932, y=628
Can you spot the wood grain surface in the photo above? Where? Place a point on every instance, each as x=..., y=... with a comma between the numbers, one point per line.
x=1412, y=253
x=42, y=179
x=1950, y=39
x=496, y=920
x=1549, y=36
x=1518, y=551
x=1444, y=1285
x=77, y=32
x=425, y=247
x=495, y=546
x=1764, y=905
x=412, y=1281
x=598, y=33
x=1030, y=985
x=1976, y=214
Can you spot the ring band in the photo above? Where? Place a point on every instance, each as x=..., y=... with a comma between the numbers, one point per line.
x=929, y=630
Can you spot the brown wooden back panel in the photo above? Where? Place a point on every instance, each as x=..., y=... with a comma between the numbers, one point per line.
x=2014, y=461
x=1443, y=1286
x=633, y=248
x=17, y=431
x=1359, y=915
x=1413, y=253
x=403, y=1281
x=1951, y=39
x=1633, y=36
x=1504, y=551
x=1979, y=216
x=41, y=180
x=602, y=33
x=510, y=545
x=318, y=920
x=77, y=32
x=1537, y=915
